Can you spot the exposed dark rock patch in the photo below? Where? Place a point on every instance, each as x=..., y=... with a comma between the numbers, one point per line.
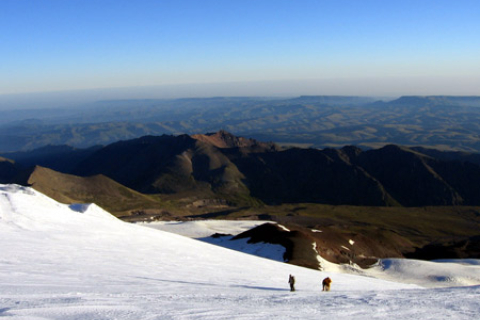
x=466, y=248
x=303, y=246
x=8, y=170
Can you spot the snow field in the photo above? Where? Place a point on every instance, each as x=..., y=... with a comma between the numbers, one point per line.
x=61, y=262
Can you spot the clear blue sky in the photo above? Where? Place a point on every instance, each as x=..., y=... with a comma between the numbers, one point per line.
x=377, y=47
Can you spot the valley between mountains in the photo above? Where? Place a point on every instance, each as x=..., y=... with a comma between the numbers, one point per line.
x=390, y=202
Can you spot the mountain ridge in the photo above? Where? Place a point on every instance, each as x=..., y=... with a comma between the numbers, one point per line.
x=234, y=168
x=440, y=122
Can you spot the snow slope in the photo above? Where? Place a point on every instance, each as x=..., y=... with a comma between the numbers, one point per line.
x=204, y=229
x=447, y=273
x=79, y=262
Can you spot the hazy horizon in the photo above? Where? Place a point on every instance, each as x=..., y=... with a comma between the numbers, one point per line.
x=261, y=89
x=163, y=49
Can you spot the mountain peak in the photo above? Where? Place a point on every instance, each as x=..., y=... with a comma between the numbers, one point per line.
x=224, y=139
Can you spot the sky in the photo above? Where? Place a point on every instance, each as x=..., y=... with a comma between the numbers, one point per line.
x=248, y=47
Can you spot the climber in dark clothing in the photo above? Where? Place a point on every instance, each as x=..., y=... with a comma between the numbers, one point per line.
x=291, y=281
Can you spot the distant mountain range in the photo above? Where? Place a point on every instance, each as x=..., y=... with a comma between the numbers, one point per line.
x=440, y=122
x=244, y=171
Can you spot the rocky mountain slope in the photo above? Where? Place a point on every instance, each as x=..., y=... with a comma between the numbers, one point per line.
x=240, y=170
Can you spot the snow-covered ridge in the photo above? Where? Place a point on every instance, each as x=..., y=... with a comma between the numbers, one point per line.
x=59, y=263
x=25, y=208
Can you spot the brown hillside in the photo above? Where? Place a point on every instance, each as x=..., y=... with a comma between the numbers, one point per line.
x=244, y=171
x=105, y=192
x=412, y=179
x=223, y=139
x=169, y=165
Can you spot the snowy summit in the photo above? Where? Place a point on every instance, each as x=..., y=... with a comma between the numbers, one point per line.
x=79, y=262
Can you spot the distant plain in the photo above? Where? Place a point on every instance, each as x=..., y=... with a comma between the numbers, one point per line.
x=440, y=122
